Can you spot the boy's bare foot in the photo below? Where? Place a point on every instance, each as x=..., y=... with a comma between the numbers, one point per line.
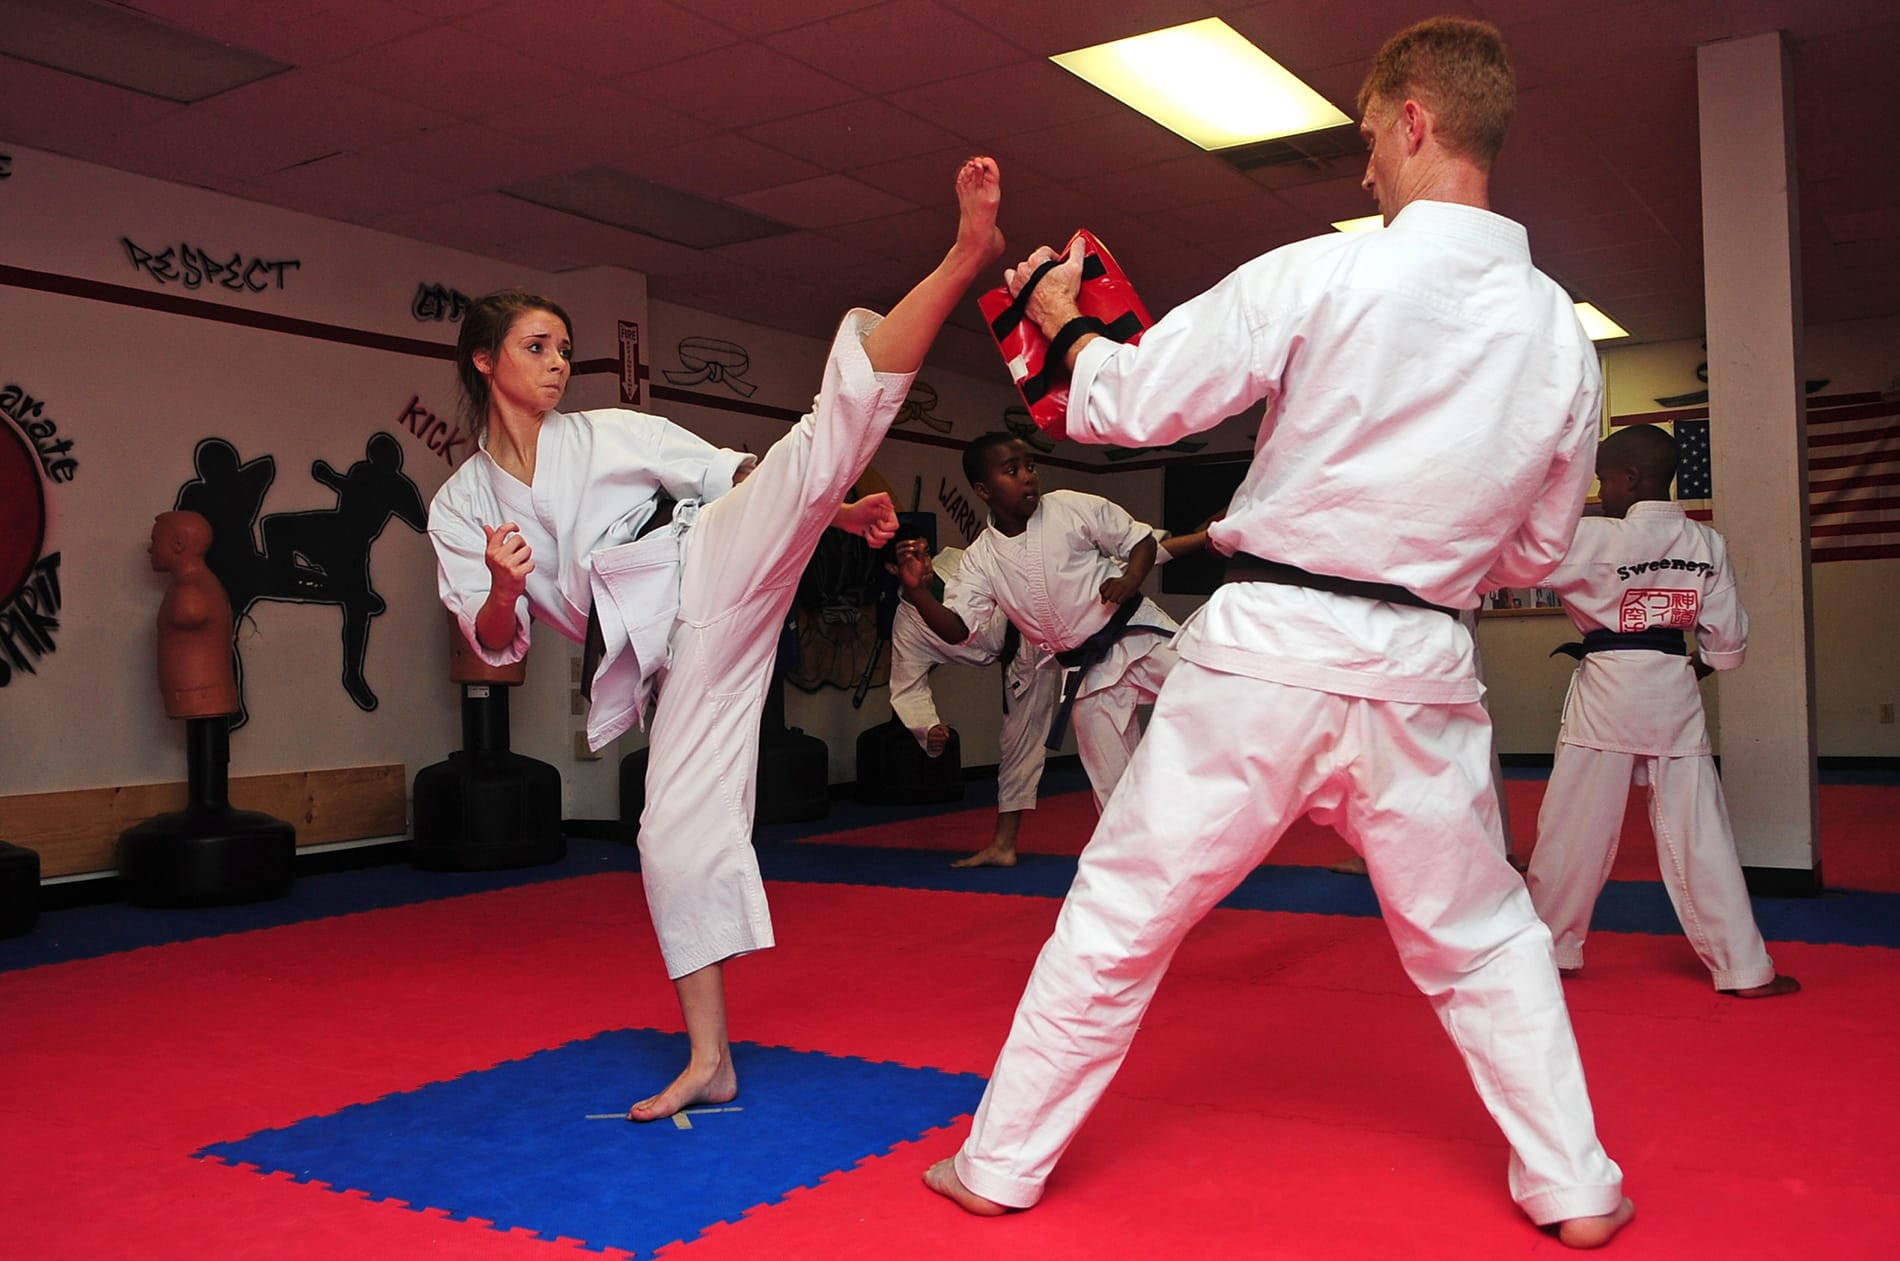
x=991, y=856
x=979, y=195
x=1354, y=866
x=1594, y=1232
x=1773, y=989
x=712, y=1083
x=942, y=1178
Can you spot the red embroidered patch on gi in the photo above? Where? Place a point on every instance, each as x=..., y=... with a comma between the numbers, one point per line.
x=1648, y=607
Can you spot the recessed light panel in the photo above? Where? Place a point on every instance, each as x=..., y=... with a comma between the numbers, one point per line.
x=1205, y=82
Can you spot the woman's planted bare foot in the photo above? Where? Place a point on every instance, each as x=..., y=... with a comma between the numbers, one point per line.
x=942, y=1178
x=992, y=856
x=1594, y=1232
x=979, y=196
x=699, y=1083
x=1773, y=989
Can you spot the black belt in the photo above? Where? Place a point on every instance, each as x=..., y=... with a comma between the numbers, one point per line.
x=1090, y=653
x=594, y=646
x=1244, y=567
x=1655, y=639
x=1006, y=656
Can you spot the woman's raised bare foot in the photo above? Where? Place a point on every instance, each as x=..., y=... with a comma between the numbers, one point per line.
x=942, y=1178
x=979, y=196
x=991, y=856
x=1594, y=1232
x=1773, y=989
x=710, y=1083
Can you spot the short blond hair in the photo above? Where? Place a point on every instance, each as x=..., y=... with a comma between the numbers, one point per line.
x=1457, y=68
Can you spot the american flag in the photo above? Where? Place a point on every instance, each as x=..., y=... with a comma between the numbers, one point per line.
x=1853, y=472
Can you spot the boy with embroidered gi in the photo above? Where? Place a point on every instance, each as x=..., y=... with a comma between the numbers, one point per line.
x=1049, y=562
x=1432, y=406
x=1634, y=580
x=1030, y=687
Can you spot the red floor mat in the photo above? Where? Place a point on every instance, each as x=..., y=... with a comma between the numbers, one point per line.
x=1290, y=1095
x=1860, y=833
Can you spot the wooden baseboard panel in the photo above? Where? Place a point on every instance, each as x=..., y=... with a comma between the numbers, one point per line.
x=78, y=831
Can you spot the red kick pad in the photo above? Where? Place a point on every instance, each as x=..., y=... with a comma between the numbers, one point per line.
x=1106, y=295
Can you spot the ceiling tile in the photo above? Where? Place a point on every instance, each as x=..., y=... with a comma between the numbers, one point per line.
x=762, y=17
x=721, y=165
x=1049, y=29
x=605, y=39
x=470, y=156
x=1165, y=185
x=600, y=124
x=1112, y=142
x=823, y=202
x=46, y=109
x=857, y=133
x=929, y=178
x=896, y=45
x=755, y=85
x=1004, y=100
x=449, y=70
x=301, y=34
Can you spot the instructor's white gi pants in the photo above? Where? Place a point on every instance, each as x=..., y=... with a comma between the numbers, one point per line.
x=742, y=560
x=1227, y=764
x=1577, y=832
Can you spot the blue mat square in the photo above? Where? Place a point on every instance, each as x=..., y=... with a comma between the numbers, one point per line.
x=511, y=1144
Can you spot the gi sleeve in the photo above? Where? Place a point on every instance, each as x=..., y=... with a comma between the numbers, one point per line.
x=1195, y=367
x=689, y=467
x=971, y=597
x=912, y=659
x=463, y=580
x=1721, y=628
x=1544, y=536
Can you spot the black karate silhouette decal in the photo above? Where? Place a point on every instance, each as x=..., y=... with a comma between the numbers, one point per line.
x=315, y=557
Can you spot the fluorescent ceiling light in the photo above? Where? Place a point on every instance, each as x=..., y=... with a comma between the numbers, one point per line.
x=1600, y=326
x=1204, y=81
x=111, y=44
x=1367, y=223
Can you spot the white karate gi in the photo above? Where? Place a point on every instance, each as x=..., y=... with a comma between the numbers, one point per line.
x=1048, y=581
x=1432, y=413
x=733, y=567
x=1637, y=715
x=1032, y=681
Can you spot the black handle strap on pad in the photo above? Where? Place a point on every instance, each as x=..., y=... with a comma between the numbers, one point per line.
x=1010, y=316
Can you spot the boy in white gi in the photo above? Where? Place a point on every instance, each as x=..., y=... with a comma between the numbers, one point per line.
x=1634, y=580
x=569, y=519
x=1432, y=405
x=1049, y=562
x=1030, y=687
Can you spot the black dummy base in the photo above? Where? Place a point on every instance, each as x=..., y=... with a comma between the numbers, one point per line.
x=894, y=771
x=207, y=854
x=19, y=889
x=486, y=808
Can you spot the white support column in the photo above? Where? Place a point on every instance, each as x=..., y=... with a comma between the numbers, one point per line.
x=1758, y=440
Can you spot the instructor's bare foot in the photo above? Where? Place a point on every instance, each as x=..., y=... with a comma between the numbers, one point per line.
x=1594, y=1232
x=1773, y=989
x=979, y=195
x=942, y=1178
x=993, y=856
x=699, y=1083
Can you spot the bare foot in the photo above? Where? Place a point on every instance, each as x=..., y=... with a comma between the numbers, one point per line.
x=942, y=1178
x=1354, y=866
x=979, y=195
x=714, y=1083
x=1594, y=1232
x=992, y=856
x=1773, y=989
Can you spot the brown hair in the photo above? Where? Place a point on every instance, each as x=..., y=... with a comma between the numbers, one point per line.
x=484, y=327
x=1457, y=68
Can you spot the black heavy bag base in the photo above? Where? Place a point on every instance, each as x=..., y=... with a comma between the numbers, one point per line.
x=206, y=856
x=487, y=811
x=19, y=889
x=794, y=770
x=893, y=769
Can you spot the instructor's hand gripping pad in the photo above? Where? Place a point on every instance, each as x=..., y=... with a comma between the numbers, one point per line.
x=1105, y=294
